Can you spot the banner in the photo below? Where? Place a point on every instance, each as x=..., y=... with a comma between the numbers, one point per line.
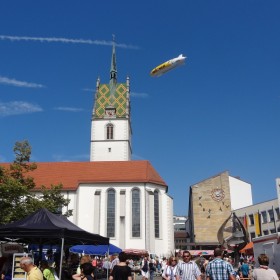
x=11, y=248
x=245, y=221
x=258, y=224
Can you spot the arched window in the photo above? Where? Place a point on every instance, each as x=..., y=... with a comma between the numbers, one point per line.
x=109, y=131
x=135, y=217
x=111, y=206
x=156, y=213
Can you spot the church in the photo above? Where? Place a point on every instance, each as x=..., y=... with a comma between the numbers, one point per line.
x=112, y=195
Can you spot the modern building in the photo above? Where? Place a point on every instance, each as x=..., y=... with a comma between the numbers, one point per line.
x=211, y=202
x=111, y=194
x=179, y=223
x=262, y=218
x=180, y=232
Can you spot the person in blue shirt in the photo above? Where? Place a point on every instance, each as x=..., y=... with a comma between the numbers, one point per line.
x=245, y=269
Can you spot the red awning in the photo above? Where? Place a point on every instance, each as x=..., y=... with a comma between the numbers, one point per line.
x=248, y=247
x=136, y=252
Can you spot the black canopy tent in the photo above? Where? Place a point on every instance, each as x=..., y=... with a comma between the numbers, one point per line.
x=44, y=227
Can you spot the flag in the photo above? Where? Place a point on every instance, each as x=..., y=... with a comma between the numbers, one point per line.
x=245, y=221
x=258, y=224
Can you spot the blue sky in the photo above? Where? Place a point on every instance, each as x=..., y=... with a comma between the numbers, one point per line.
x=218, y=112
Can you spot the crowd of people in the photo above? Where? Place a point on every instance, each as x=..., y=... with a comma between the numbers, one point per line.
x=120, y=267
x=216, y=267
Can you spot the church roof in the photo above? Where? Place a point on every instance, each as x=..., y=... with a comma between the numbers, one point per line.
x=118, y=100
x=71, y=174
x=112, y=95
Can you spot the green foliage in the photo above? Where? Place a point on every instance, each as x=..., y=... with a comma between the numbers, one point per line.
x=18, y=197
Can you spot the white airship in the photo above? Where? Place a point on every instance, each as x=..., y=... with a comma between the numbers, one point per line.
x=168, y=65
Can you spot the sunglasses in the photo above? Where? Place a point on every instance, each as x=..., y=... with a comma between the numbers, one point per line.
x=187, y=256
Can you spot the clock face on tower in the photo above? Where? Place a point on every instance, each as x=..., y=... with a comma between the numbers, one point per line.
x=110, y=112
x=218, y=194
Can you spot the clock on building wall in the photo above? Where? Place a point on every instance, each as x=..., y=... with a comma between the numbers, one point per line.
x=110, y=112
x=218, y=194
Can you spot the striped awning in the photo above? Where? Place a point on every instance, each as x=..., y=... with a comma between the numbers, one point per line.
x=202, y=252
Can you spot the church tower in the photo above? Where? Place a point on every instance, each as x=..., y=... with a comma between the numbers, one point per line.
x=110, y=123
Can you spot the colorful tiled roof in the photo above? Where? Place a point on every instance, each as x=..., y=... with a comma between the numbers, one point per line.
x=71, y=174
x=117, y=100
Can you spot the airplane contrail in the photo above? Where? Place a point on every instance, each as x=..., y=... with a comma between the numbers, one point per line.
x=18, y=108
x=16, y=83
x=66, y=40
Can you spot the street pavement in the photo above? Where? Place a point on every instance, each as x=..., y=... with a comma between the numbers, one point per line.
x=139, y=277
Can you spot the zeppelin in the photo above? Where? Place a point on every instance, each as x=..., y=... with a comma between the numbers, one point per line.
x=168, y=65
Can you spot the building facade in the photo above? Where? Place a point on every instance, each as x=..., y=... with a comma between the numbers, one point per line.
x=261, y=218
x=211, y=202
x=180, y=232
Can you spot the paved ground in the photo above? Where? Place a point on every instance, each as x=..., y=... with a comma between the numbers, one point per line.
x=139, y=277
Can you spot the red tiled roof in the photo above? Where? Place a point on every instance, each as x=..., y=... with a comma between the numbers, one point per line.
x=71, y=174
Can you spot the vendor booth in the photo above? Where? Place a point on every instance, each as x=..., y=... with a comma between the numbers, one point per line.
x=44, y=227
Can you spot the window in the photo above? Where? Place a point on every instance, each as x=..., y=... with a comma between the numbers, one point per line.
x=277, y=214
x=264, y=216
x=265, y=232
x=271, y=215
x=273, y=230
x=156, y=213
x=135, y=213
x=253, y=235
x=109, y=131
x=111, y=213
x=251, y=217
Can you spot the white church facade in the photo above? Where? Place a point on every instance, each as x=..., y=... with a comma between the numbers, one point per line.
x=112, y=195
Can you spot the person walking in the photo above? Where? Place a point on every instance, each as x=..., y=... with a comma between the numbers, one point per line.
x=152, y=268
x=264, y=272
x=115, y=261
x=170, y=270
x=145, y=268
x=244, y=269
x=48, y=273
x=121, y=271
x=187, y=269
x=6, y=270
x=87, y=271
x=218, y=269
x=33, y=272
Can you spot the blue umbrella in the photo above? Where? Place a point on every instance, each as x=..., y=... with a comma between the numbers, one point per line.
x=95, y=250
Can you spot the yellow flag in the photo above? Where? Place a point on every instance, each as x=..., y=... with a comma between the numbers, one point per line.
x=257, y=224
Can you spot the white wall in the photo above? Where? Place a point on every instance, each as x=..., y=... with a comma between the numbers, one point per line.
x=240, y=193
x=85, y=211
x=118, y=148
x=121, y=129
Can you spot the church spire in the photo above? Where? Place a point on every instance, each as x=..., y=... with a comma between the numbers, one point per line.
x=113, y=71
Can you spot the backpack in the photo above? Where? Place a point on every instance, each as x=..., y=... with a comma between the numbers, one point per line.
x=145, y=266
x=152, y=267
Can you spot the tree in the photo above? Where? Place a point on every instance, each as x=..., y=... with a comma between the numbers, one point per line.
x=18, y=196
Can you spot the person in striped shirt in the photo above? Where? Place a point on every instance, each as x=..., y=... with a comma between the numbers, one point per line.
x=187, y=269
x=218, y=269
